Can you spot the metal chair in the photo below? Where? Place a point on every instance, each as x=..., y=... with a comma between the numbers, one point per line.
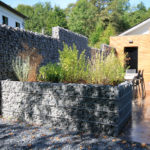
x=136, y=85
x=139, y=85
x=142, y=84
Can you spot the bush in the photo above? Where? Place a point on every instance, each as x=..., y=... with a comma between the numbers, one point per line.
x=109, y=70
x=50, y=72
x=74, y=66
x=21, y=68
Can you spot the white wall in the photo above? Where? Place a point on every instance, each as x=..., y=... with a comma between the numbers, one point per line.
x=12, y=18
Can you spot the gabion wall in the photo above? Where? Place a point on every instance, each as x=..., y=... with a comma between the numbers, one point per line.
x=70, y=37
x=11, y=40
x=74, y=107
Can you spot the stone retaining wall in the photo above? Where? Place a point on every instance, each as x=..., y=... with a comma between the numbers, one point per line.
x=70, y=38
x=75, y=107
x=11, y=40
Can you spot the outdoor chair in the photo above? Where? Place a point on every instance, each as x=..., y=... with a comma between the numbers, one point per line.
x=136, y=85
x=142, y=84
x=139, y=85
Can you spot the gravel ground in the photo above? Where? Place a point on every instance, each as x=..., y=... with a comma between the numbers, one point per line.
x=21, y=136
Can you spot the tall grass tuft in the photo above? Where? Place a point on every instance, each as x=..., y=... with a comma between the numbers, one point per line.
x=34, y=58
x=21, y=68
x=107, y=70
x=25, y=65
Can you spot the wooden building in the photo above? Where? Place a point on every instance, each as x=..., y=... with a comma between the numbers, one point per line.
x=136, y=42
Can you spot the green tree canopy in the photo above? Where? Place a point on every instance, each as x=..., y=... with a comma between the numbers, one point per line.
x=42, y=16
x=105, y=35
x=96, y=19
x=137, y=15
x=141, y=6
x=97, y=34
x=82, y=18
x=111, y=21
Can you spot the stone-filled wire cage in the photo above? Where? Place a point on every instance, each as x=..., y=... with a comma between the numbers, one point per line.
x=74, y=107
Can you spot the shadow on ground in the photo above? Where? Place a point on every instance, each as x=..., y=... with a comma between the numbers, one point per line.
x=17, y=135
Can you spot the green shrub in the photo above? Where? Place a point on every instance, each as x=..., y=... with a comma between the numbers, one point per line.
x=109, y=70
x=50, y=72
x=21, y=68
x=74, y=66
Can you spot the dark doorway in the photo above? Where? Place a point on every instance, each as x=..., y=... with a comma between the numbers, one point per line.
x=132, y=57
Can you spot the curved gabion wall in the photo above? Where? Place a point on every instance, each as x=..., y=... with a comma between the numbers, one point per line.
x=75, y=107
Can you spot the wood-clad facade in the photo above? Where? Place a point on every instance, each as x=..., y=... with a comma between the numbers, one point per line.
x=142, y=43
x=136, y=42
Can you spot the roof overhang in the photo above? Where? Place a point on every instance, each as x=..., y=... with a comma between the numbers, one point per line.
x=135, y=27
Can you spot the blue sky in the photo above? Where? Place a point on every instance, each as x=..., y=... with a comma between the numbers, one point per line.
x=61, y=3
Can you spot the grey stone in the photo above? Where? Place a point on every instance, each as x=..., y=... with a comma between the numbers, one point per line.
x=76, y=107
x=11, y=40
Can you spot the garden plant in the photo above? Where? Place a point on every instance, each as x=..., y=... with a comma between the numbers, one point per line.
x=71, y=68
x=76, y=68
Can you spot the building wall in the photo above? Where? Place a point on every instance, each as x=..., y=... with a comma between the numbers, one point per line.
x=12, y=18
x=11, y=40
x=143, y=44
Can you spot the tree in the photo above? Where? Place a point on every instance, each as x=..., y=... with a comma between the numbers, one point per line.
x=141, y=6
x=137, y=15
x=82, y=18
x=60, y=17
x=114, y=14
x=100, y=4
x=104, y=37
x=42, y=16
x=96, y=19
x=95, y=36
x=55, y=18
x=69, y=8
x=29, y=12
x=111, y=16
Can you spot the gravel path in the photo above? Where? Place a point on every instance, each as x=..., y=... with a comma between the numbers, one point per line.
x=21, y=136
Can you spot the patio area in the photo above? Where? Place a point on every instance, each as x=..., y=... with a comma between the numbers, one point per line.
x=138, y=128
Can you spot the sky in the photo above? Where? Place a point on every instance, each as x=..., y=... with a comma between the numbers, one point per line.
x=61, y=3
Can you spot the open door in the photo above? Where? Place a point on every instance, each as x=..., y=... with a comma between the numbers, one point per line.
x=132, y=57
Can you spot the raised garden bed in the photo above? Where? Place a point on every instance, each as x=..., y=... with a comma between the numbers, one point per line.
x=76, y=107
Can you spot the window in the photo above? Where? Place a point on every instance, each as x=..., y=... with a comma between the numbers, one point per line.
x=17, y=24
x=5, y=20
